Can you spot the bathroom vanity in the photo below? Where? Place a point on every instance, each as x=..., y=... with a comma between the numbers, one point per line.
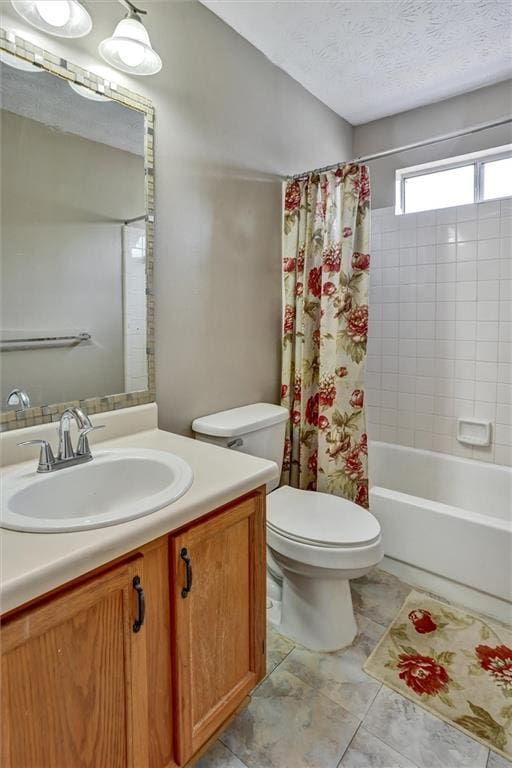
x=148, y=651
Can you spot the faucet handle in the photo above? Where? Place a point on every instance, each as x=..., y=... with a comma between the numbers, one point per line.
x=82, y=448
x=46, y=457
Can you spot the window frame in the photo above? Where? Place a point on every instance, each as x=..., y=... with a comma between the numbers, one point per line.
x=475, y=159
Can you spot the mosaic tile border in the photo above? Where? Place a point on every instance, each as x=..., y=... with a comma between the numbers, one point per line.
x=17, y=46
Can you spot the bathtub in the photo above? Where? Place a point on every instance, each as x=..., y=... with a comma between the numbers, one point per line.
x=446, y=521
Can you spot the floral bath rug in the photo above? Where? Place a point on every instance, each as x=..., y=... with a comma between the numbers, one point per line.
x=452, y=663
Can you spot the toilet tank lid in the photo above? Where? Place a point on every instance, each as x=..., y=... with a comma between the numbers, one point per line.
x=240, y=421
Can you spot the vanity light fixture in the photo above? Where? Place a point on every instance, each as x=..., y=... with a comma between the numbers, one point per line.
x=18, y=63
x=63, y=18
x=89, y=93
x=129, y=49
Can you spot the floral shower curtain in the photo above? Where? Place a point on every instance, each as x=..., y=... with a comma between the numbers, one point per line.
x=326, y=260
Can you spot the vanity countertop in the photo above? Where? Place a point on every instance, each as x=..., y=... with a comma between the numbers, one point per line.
x=35, y=563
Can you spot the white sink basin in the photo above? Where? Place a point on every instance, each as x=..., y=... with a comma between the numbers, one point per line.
x=114, y=487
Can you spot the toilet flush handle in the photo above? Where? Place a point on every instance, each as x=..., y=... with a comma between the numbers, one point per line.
x=236, y=443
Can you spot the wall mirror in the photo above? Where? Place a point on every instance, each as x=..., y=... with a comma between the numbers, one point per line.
x=76, y=239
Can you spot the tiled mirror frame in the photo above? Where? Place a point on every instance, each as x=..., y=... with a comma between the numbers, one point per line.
x=17, y=46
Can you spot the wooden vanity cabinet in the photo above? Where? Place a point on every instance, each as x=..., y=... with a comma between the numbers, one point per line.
x=219, y=619
x=81, y=689
x=74, y=684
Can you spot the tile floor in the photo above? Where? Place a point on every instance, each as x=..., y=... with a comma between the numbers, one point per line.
x=320, y=710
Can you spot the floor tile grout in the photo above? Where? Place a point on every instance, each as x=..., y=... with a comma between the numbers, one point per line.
x=233, y=753
x=391, y=746
x=322, y=694
x=349, y=744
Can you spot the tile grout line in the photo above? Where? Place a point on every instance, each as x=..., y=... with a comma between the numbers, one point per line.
x=267, y=675
x=379, y=737
x=349, y=744
x=280, y=661
x=233, y=753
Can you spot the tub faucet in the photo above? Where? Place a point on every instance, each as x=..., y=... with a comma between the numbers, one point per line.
x=66, y=456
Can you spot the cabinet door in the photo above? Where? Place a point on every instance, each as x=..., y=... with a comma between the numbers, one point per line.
x=74, y=678
x=219, y=624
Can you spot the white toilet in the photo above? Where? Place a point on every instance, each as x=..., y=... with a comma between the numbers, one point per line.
x=316, y=542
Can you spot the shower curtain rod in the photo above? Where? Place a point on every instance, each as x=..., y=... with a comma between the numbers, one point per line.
x=406, y=147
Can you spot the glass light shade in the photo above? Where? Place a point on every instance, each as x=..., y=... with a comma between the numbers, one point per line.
x=129, y=49
x=63, y=18
x=87, y=93
x=54, y=12
x=14, y=61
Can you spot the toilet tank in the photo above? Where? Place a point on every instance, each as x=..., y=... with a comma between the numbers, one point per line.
x=256, y=429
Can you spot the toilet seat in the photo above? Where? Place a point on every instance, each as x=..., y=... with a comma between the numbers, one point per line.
x=320, y=519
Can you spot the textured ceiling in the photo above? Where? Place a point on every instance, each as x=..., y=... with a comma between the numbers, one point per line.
x=372, y=58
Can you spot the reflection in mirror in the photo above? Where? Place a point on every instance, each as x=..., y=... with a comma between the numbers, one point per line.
x=73, y=242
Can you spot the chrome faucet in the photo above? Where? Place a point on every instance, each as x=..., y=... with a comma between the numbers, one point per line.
x=18, y=397
x=66, y=456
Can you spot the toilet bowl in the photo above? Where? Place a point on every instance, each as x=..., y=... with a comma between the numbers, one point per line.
x=320, y=542
x=316, y=542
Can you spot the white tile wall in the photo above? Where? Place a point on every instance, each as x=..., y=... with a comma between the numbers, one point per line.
x=440, y=333
x=134, y=306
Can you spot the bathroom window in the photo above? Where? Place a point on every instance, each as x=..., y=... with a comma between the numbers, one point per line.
x=461, y=180
x=497, y=178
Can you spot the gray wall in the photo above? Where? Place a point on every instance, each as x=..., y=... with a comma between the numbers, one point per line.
x=481, y=106
x=228, y=124
x=62, y=201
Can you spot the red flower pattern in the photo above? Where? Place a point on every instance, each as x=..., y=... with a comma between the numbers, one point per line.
x=342, y=371
x=422, y=621
x=299, y=289
x=362, y=494
x=331, y=259
x=327, y=391
x=289, y=319
x=289, y=265
x=360, y=261
x=323, y=422
x=347, y=231
x=315, y=281
x=296, y=417
x=497, y=661
x=357, y=323
x=313, y=462
x=357, y=398
x=423, y=674
x=292, y=196
x=312, y=410
x=329, y=289
x=362, y=184
x=284, y=390
x=353, y=466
